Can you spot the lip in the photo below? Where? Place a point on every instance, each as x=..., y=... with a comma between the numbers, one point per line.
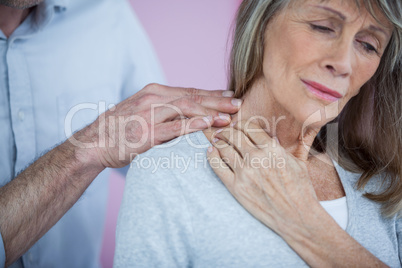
x=322, y=91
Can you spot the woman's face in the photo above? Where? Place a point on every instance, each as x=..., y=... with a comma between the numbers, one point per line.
x=319, y=53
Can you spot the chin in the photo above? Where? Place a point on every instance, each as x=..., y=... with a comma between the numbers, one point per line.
x=317, y=117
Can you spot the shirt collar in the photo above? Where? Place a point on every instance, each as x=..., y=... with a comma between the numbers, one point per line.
x=48, y=7
x=60, y=4
x=42, y=15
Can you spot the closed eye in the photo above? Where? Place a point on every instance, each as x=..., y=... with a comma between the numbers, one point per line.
x=368, y=47
x=320, y=28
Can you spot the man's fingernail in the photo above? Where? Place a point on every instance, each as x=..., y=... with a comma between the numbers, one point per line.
x=236, y=102
x=219, y=131
x=233, y=124
x=227, y=93
x=225, y=117
x=215, y=140
x=207, y=119
x=210, y=149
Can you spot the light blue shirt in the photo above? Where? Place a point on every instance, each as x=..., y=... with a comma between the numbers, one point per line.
x=68, y=52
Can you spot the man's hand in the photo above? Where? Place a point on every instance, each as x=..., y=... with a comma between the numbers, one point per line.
x=154, y=115
x=38, y=197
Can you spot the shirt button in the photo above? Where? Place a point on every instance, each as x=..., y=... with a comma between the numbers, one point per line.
x=21, y=115
x=13, y=43
x=29, y=256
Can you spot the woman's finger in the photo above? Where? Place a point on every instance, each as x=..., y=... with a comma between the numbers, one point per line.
x=305, y=143
x=256, y=134
x=240, y=142
x=220, y=168
x=229, y=155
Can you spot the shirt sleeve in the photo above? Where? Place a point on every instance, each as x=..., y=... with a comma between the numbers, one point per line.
x=2, y=253
x=399, y=237
x=154, y=226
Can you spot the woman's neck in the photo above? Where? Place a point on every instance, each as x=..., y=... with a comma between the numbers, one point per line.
x=259, y=106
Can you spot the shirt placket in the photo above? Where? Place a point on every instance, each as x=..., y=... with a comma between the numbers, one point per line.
x=7, y=148
x=22, y=116
x=21, y=106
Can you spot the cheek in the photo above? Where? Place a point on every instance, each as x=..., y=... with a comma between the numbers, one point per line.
x=301, y=49
x=369, y=71
x=287, y=54
x=361, y=75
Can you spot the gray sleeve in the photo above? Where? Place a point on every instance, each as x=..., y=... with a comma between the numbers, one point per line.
x=154, y=228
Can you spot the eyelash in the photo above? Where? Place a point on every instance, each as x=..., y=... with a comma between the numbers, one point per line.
x=366, y=46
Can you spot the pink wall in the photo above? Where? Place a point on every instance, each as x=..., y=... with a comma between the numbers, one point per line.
x=191, y=40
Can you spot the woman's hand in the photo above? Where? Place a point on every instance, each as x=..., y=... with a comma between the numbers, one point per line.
x=275, y=187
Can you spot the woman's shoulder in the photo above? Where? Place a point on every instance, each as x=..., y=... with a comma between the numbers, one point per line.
x=376, y=183
x=185, y=145
x=355, y=195
x=179, y=168
x=360, y=205
x=185, y=155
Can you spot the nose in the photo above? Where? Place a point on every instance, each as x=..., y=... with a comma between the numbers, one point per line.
x=339, y=58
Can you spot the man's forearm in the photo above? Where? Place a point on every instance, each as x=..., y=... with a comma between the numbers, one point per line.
x=38, y=197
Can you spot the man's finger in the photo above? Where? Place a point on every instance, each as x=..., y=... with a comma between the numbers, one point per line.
x=210, y=93
x=305, y=143
x=219, y=108
x=223, y=105
x=182, y=91
x=170, y=130
x=168, y=112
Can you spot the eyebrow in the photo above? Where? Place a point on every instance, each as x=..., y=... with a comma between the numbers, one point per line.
x=377, y=29
x=343, y=17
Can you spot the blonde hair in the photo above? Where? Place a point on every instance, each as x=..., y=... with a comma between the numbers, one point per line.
x=369, y=145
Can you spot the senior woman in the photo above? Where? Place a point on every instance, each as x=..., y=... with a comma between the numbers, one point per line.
x=301, y=68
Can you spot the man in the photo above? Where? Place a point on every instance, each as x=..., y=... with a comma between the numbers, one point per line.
x=63, y=62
